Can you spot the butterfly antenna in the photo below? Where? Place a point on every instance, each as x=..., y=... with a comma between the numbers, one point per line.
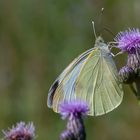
x=109, y=31
x=100, y=19
x=94, y=31
x=100, y=24
x=101, y=16
x=102, y=10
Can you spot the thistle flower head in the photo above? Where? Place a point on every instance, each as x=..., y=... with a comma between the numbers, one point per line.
x=73, y=109
x=129, y=41
x=21, y=131
x=127, y=74
x=133, y=61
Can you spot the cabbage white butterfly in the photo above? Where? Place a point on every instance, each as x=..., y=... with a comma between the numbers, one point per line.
x=91, y=77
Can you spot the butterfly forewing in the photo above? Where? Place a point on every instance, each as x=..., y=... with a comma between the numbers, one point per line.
x=64, y=83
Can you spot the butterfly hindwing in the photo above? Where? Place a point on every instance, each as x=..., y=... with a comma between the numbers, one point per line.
x=103, y=91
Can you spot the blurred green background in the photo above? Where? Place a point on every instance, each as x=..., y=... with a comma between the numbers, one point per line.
x=38, y=39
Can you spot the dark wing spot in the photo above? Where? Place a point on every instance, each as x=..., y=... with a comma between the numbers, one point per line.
x=52, y=92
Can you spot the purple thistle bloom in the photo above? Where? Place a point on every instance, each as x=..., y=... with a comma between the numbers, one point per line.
x=73, y=109
x=74, y=112
x=21, y=131
x=129, y=41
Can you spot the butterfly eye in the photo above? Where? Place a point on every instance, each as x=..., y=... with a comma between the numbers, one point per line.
x=101, y=40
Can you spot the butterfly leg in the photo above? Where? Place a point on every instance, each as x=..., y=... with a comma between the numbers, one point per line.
x=114, y=55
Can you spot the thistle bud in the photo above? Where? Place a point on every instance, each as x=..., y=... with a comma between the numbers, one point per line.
x=127, y=75
x=133, y=61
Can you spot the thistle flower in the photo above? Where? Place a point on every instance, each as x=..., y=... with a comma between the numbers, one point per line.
x=127, y=74
x=21, y=131
x=129, y=41
x=74, y=111
x=133, y=61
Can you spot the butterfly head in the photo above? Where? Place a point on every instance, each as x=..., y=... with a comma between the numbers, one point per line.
x=99, y=43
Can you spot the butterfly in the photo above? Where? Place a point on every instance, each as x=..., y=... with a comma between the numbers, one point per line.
x=91, y=77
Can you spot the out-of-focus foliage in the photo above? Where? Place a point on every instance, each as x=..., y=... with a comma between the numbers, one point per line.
x=38, y=38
